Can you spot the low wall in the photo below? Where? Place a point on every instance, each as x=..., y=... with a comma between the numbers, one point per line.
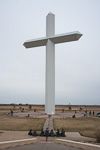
x=84, y=146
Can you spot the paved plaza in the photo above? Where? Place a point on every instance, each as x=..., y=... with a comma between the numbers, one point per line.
x=42, y=115
x=44, y=146
x=16, y=140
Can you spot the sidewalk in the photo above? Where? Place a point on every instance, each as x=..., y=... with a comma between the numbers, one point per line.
x=20, y=135
x=48, y=124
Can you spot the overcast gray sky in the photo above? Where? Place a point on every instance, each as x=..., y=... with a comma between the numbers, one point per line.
x=77, y=64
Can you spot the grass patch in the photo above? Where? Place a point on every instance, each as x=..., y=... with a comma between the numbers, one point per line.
x=20, y=123
x=85, y=126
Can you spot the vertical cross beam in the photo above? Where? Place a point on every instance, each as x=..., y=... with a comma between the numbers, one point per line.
x=50, y=66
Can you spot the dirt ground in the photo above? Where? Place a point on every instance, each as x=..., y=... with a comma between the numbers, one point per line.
x=41, y=108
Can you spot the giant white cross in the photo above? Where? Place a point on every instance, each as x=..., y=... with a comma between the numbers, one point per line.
x=50, y=40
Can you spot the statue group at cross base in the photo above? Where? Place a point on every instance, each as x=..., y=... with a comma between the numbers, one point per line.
x=48, y=132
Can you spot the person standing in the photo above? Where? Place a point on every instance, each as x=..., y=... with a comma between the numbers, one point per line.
x=47, y=134
x=11, y=112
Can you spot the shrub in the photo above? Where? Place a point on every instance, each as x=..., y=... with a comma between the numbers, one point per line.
x=30, y=106
x=70, y=108
x=80, y=108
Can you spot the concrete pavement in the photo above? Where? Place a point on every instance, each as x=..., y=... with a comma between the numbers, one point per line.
x=48, y=124
x=7, y=136
x=44, y=146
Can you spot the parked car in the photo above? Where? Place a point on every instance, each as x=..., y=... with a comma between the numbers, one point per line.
x=98, y=113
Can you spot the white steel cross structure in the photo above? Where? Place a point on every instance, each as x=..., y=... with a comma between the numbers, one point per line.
x=50, y=40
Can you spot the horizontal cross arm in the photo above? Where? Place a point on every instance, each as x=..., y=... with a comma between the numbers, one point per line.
x=67, y=37
x=36, y=42
x=61, y=38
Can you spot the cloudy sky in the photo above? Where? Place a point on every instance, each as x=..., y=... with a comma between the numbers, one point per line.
x=77, y=64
